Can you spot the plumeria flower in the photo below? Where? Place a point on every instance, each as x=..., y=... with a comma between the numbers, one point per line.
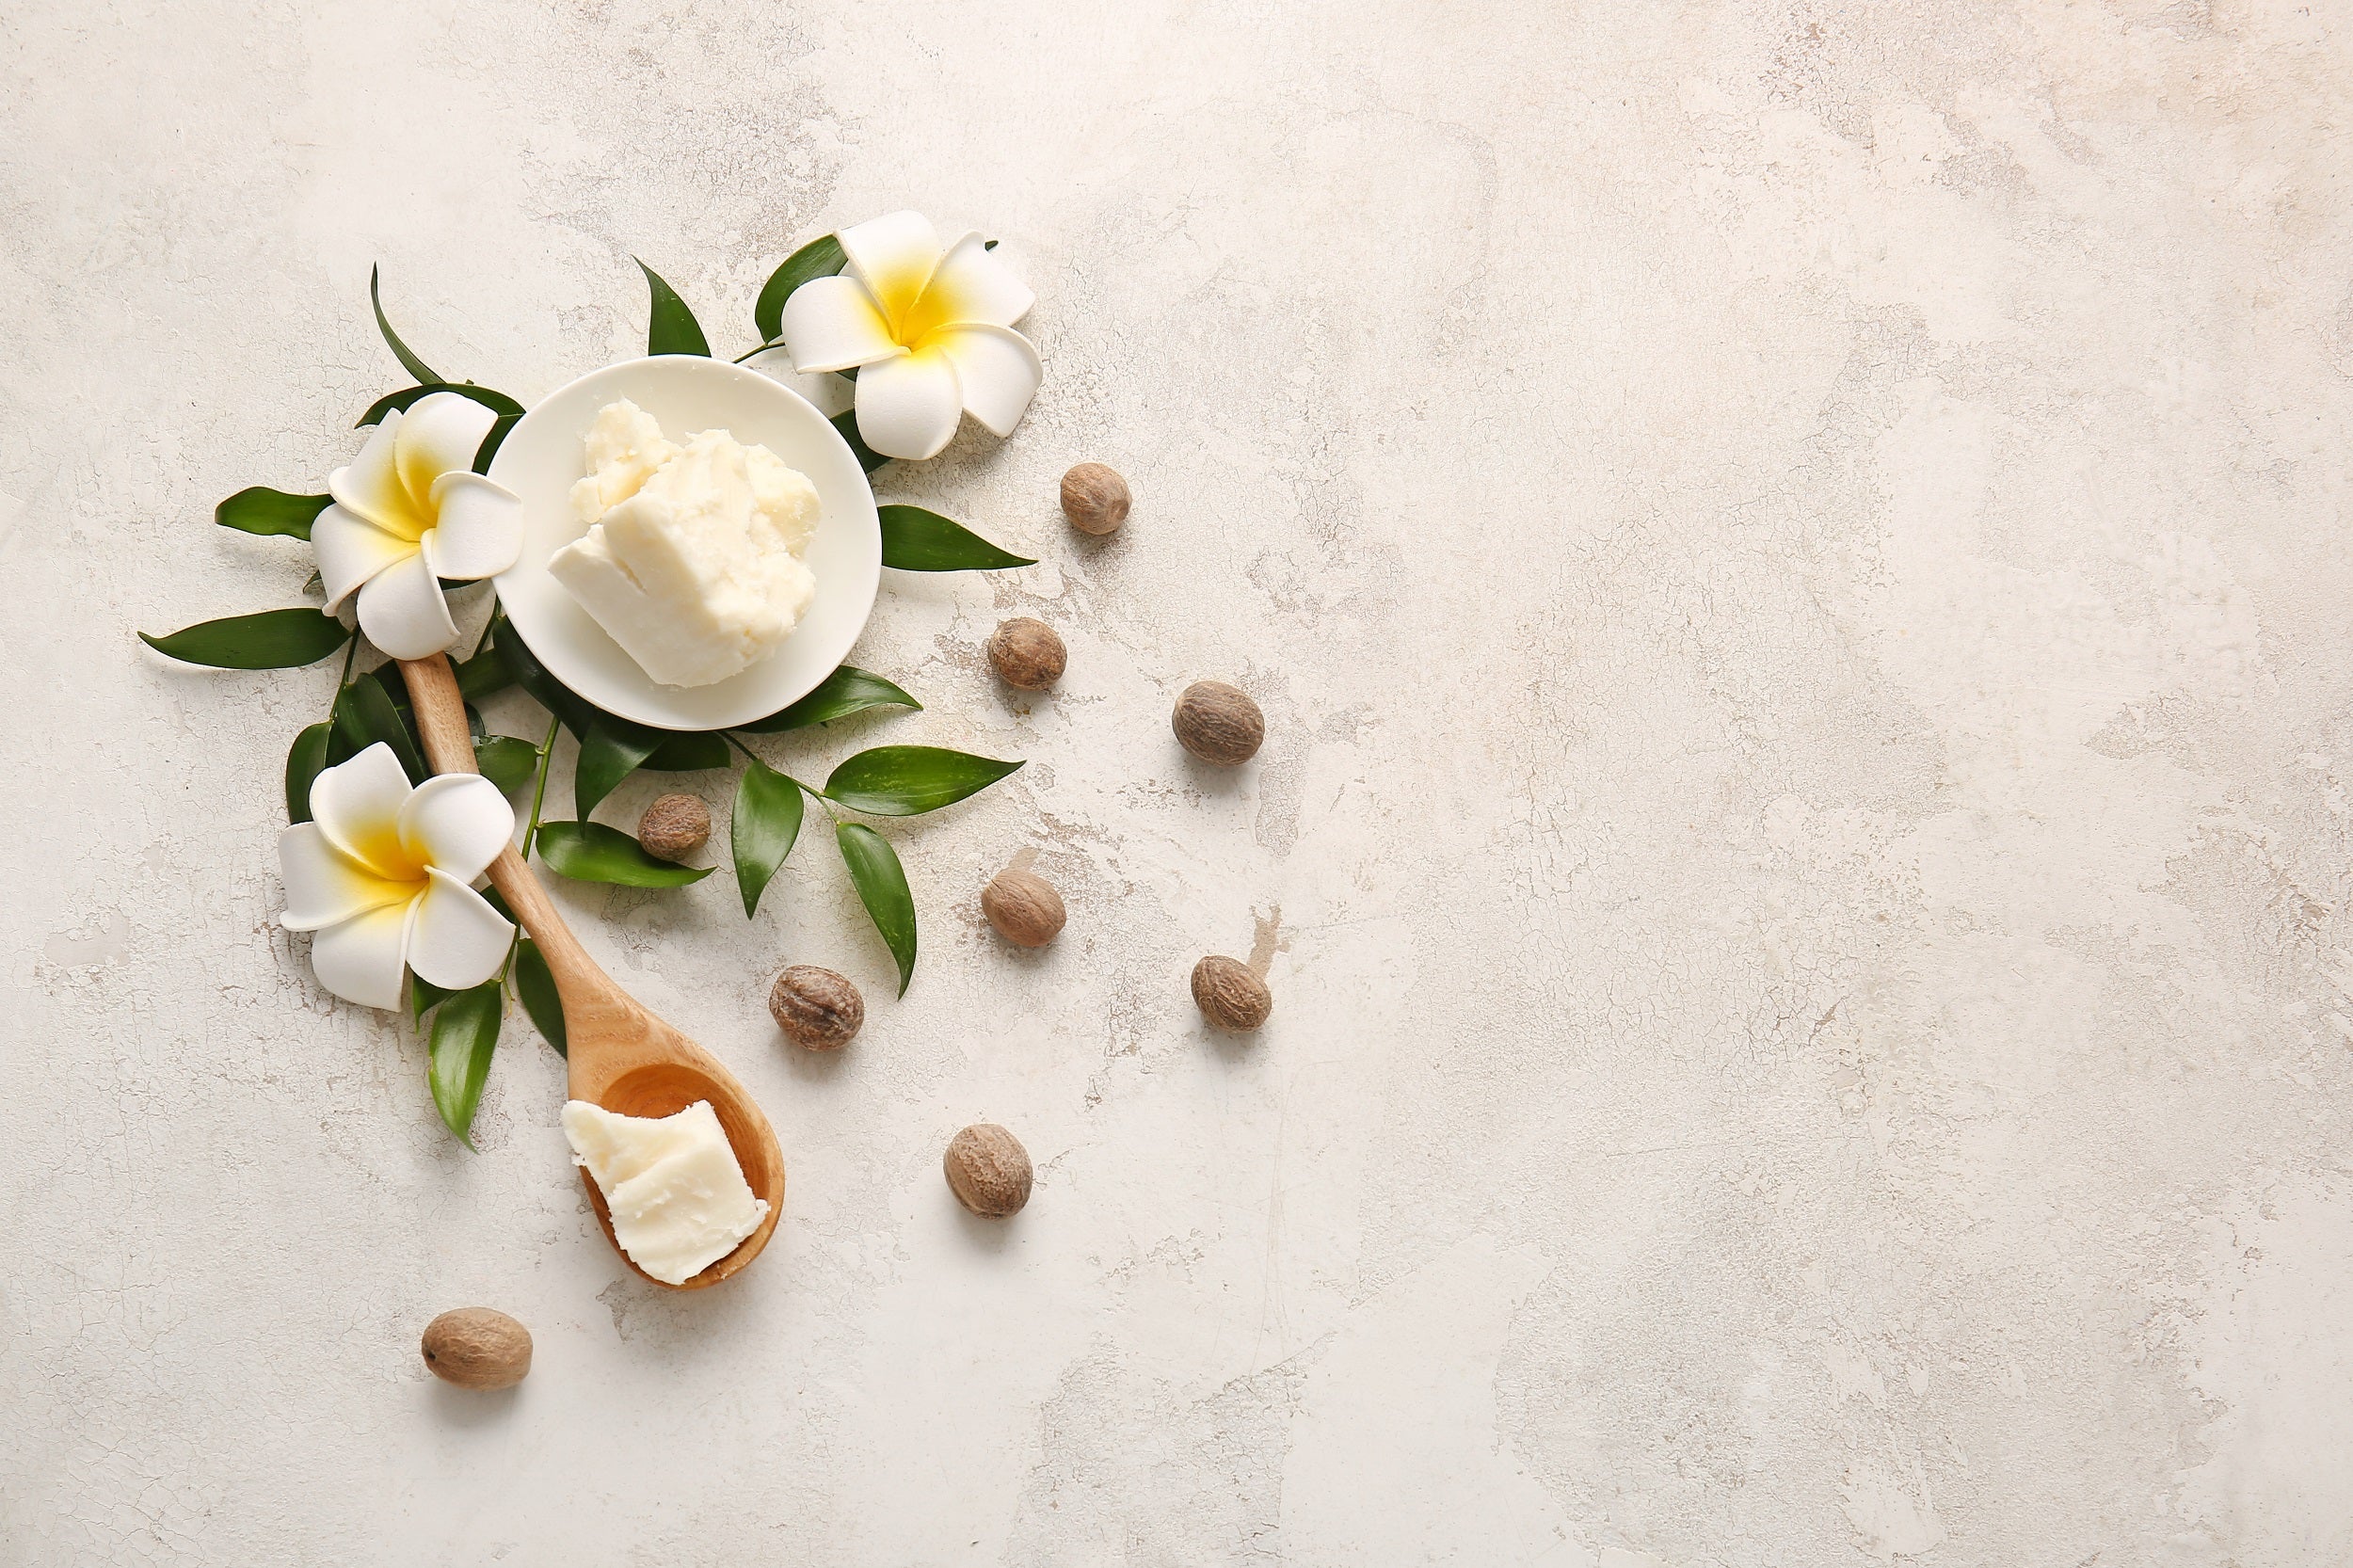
x=929, y=329
x=384, y=874
x=410, y=511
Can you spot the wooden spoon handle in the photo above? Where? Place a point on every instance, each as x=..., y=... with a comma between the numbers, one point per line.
x=449, y=747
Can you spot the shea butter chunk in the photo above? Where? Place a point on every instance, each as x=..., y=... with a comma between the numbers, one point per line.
x=678, y=1198
x=625, y=447
x=692, y=561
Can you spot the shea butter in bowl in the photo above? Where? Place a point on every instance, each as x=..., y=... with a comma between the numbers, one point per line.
x=544, y=458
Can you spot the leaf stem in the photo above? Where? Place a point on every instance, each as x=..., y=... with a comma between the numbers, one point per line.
x=540, y=790
x=817, y=795
x=351, y=655
x=531, y=831
x=761, y=349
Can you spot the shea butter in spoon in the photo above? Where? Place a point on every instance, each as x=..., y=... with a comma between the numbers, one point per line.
x=677, y=1196
x=692, y=561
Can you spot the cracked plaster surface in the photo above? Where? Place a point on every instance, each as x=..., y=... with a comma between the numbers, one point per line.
x=1793, y=553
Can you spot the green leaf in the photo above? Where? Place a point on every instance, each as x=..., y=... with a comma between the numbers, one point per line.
x=365, y=714
x=820, y=258
x=273, y=640
x=591, y=852
x=868, y=458
x=387, y=675
x=485, y=673
x=506, y=761
x=409, y=361
x=465, y=1033
x=259, y=509
x=689, y=751
x=846, y=691
x=766, y=819
x=536, y=987
x=424, y=996
x=882, y=886
x=608, y=754
x=914, y=539
x=492, y=439
x=908, y=781
x=399, y=400
x=672, y=329
x=305, y=761
x=497, y=402
x=613, y=748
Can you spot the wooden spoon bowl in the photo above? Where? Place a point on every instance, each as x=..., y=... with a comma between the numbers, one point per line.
x=618, y=1055
x=665, y=1088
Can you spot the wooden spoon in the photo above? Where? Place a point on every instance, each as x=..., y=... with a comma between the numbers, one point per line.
x=620, y=1056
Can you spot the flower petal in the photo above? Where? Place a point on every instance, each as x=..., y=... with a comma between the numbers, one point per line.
x=997, y=372
x=458, y=940
x=832, y=324
x=894, y=256
x=907, y=406
x=440, y=435
x=326, y=887
x=357, y=805
x=456, y=823
x=969, y=284
x=360, y=959
x=403, y=613
x=351, y=549
x=369, y=486
x=478, y=529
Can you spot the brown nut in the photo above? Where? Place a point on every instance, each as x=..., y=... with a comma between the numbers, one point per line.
x=1094, y=499
x=988, y=1170
x=1219, y=723
x=675, y=826
x=1024, y=908
x=476, y=1347
x=816, y=1008
x=1025, y=652
x=1229, y=996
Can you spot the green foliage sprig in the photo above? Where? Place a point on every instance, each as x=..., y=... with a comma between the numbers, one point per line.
x=372, y=706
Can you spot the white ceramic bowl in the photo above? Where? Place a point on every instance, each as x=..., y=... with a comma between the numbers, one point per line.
x=540, y=460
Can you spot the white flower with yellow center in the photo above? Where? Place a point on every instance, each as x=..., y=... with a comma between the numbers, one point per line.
x=384, y=874
x=927, y=327
x=410, y=511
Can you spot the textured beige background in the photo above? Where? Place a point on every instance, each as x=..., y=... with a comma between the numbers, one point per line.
x=1793, y=553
